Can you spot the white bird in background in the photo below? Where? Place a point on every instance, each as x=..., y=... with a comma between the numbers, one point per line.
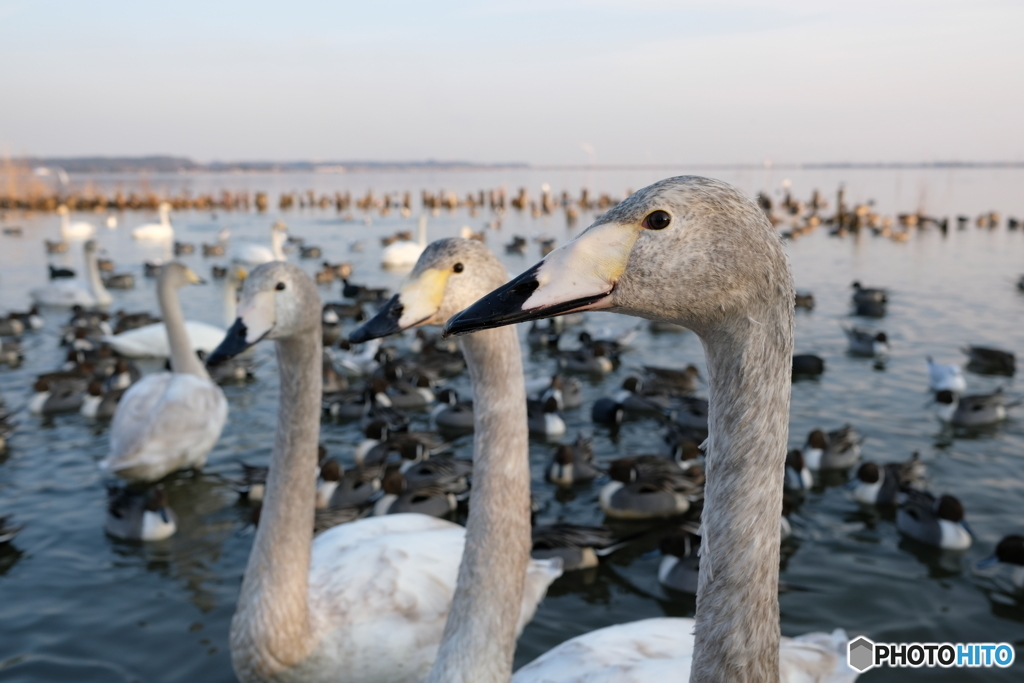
x=156, y=231
x=405, y=253
x=251, y=254
x=79, y=230
x=946, y=377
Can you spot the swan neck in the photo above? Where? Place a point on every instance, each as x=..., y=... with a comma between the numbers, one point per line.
x=230, y=300
x=749, y=375
x=277, y=240
x=92, y=270
x=480, y=635
x=271, y=629
x=183, y=359
x=422, y=231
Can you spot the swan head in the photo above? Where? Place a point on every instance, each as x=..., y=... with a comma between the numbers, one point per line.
x=177, y=275
x=688, y=250
x=450, y=275
x=278, y=301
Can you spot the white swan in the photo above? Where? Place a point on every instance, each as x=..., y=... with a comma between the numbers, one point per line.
x=167, y=420
x=150, y=341
x=157, y=231
x=405, y=253
x=68, y=293
x=698, y=253
x=479, y=638
x=252, y=254
x=79, y=230
x=365, y=601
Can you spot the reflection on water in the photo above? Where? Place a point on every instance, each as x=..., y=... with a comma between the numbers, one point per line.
x=75, y=604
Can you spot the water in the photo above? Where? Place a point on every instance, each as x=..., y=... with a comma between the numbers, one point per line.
x=77, y=604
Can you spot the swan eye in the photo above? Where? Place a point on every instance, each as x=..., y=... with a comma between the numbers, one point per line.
x=280, y=286
x=458, y=267
x=657, y=220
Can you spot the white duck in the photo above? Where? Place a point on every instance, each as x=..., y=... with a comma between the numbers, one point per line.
x=405, y=253
x=167, y=420
x=698, y=253
x=79, y=230
x=68, y=293
x=157, y=231
x=367, y=600
x=252, y=254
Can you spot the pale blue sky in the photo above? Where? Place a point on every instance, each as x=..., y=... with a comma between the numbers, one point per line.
x=636, y=81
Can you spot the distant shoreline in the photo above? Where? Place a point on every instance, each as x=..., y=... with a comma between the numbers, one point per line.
x=183, y=165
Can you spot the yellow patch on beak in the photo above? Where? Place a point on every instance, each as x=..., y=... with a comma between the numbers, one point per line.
x=421, y=297
x=192, y=278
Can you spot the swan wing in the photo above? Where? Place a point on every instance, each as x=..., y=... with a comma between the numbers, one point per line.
x=253, y=254
x=650, y=650
x=164, y=422
x=150, y=341
x=815, y=658
x=63, y=293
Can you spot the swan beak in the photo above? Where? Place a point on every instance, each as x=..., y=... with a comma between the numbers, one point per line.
x=256, y=318
x=416, y=303
x=192, y=278
x=234, y=343
x=578, y=276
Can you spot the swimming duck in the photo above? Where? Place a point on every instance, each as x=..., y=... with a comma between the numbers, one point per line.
x=56, y=247
x=542, y=337
x=98, y=404
x=576, y=545
x=869, y=295
x=572, y=464
x=807, y=365
x=31, y=318
x=883, y=484
x=340, y=488
x=946, y=377
x=362, y=293
x=937, y=522
x=1009, y=552
x=670, y=381
x=253, y=483
x=432, y=499
x=311, y=251
x=377, y=407
x=836, y=450
x=184, y=248
x=988, y=360
x=134, y=515
x=865, y=343
x=119, y=281
x=647, y=487
x=976, y=410
x=543, y=418
x=798, y=476
x=680, y=561
x=452, y=415
x=61, y=273
x=333, y=381
x=804, y=300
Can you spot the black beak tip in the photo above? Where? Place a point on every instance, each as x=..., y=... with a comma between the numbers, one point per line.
x=380, y=325
x=234, y=343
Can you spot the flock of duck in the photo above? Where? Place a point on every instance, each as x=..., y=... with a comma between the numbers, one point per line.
x=358, y=567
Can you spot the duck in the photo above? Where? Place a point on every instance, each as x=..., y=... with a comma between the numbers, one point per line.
x=308, y=252
x=451, y=415
x=572, y=464
x=835, y=450
x=586, y=360
x=804, y=300
x=79, y=230
x=1009, y=552
x=975, y=410
x=679, y=568
x=339, y=488
x=798, y=476
x=8, y=530
x=396, y=632
x=670, y=381
x=885, y=484
x=157, y=231
x=865, y=343
x=543, y=418
x=578, y=546
x=567, y=391
x=362, y=293
x=31, y=319
x=100, y=404
x=707, y=250
x=68, y=293
x=545, y=337
x=167, y=420
x=252, y=483
x=56, y=247
x=139, y=515
x=430, y=497
x=119, y=281
x=869, y=295
x=945, y=377
x=807, y=365
x=404, y=253
x=61, y=273
x=648, y=487
x=218, y=248
x=359, y=362
x=53, y=397
x=938, y=522
x=184, y=248
x=11, y=327
x=988, y=360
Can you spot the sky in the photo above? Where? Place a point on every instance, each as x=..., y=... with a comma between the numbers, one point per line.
x=537, y=81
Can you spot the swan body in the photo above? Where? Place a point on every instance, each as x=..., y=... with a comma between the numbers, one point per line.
x=70, y=293
x=150, y=341
x=156, y=231
x=167, y=420
x=405, y=253
x=79, y=230
x=252, y=254
x=661, y=649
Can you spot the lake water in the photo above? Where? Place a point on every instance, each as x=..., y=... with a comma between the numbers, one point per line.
x=77, y=605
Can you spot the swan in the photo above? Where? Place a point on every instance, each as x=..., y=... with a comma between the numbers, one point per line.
x=156, y=231
x=251, y=254
x=167, y=420
x=78, y=230
x=405, y=253
x=698, y=253
x=368, y=600
x=68, y=293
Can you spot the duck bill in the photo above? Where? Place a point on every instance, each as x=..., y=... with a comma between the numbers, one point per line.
x=579, y=276
x=417, y=303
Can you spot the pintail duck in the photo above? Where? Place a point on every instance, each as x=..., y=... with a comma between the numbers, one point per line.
x=100, y=404
x=572, y=464
x=7, y=529
x=865, y=343
x=340, y=488
x=868, y=294
x=57, y=273
x=543, y=418
x=807, y=365
x=670, y=380
x=452, y=415
x=804, y=300
x=567, y=391
x=938, y=522
x=431, y=498
x=648, y=487
x=362, y=293
x=134, y=515
x=1009, y=553
x=976, y=410
x=798, y=476
x=578, y=546
x=542, y=337
x=884, y=484
x=31, y=318
x=988, y=360
x=680, y=561
x=838, y=449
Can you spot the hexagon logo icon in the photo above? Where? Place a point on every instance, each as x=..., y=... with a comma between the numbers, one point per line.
x=860, y=653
